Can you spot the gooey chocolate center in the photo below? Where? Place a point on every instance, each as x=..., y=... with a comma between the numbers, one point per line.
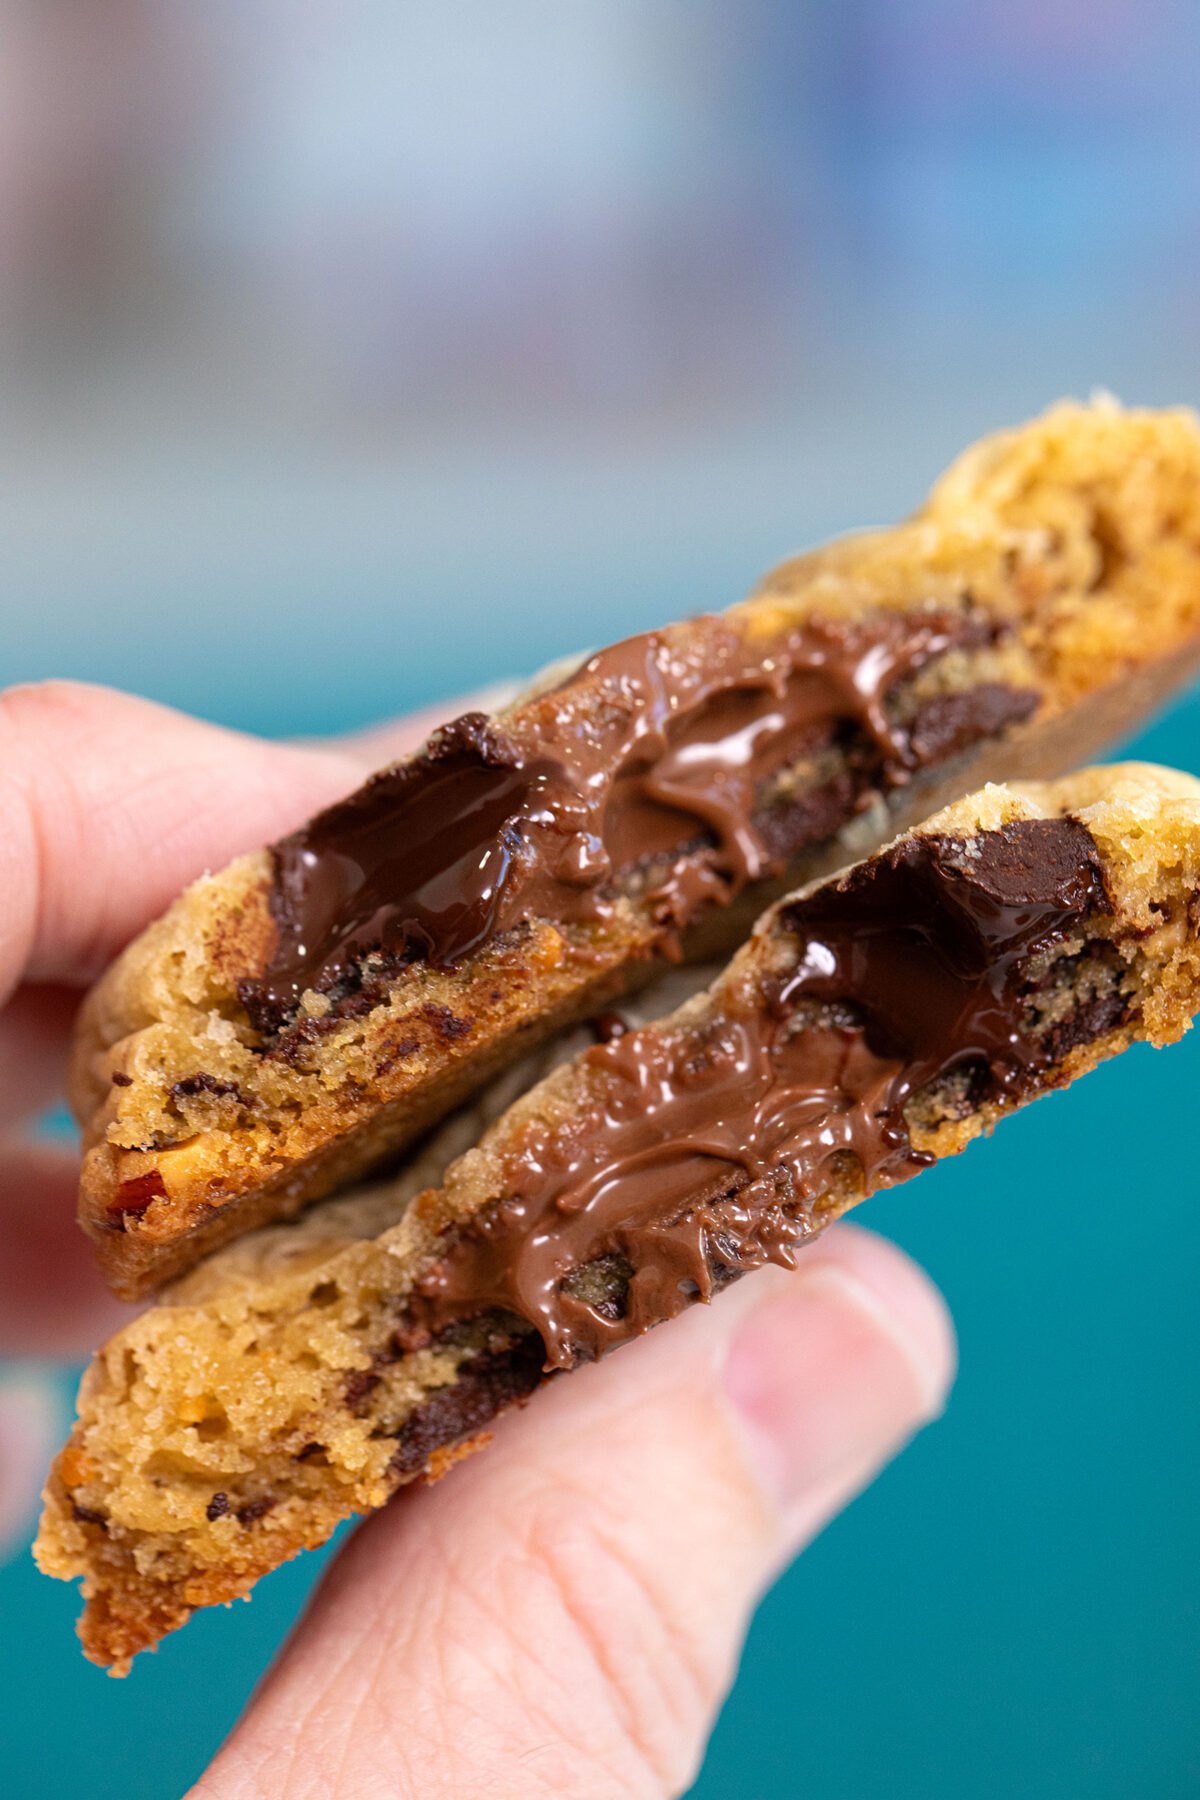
x=645, y=759
x=706, y=1154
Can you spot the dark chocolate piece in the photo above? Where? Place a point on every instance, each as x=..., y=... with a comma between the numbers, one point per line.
x=735, y=1148
x=256, y=1509
x=606, y=1026
x=947, y=726
x=359, y=1384
x=483, y=1387
x=434, y=858
x=193, y=1085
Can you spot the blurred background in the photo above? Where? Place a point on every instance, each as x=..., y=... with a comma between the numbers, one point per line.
x=353, y=354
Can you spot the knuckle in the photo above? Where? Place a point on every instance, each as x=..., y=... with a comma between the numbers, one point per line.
x=29, y=707
x=623, y=1626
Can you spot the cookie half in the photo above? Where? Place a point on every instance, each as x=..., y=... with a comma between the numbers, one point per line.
x=873, y=1024
x=308, y=1012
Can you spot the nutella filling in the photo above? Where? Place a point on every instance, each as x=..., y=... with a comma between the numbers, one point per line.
x=707, y=1153
x=669, y=775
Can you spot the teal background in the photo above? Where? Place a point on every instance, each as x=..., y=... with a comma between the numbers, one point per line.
x=356, y=354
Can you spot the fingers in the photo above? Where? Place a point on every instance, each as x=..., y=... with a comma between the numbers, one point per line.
x=28, y=1429
x=563, y=1614
x=110, y=805
x=52, y=1304
x=52, y=1301
x=35, y=1031
x=800, y=1431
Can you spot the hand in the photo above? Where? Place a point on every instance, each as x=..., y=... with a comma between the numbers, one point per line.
x=562, y=1615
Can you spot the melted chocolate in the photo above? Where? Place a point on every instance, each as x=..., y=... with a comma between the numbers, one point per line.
x=708, y=1153
x=645, y=758
x=607, y=1026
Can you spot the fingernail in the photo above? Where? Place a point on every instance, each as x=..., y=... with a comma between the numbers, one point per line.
x=831, y=1375
x=28, y=1416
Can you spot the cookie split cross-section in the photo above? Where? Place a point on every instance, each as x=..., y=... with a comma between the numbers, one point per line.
x=311, y=1010
x=874, y=1023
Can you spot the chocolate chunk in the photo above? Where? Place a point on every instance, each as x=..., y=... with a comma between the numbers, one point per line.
x=255, y=1509
x=217, y=1507
x=606, y=1027
x=951, y=723
x=359, y=1383
x=448, y=1027
x=812, y=815
x=482, y=1388
x=416, y=864
x=1088, y=1022
x=194, y=1085
x=702, y=1159
x=433, y=859
x=399, y=1051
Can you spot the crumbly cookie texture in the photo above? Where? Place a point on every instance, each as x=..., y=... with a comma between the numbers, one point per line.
x=1074, y=540
x=280, y=1388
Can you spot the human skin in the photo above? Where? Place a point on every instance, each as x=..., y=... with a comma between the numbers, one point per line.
x=561, y=1616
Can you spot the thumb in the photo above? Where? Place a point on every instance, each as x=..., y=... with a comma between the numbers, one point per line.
x=563, y=1617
